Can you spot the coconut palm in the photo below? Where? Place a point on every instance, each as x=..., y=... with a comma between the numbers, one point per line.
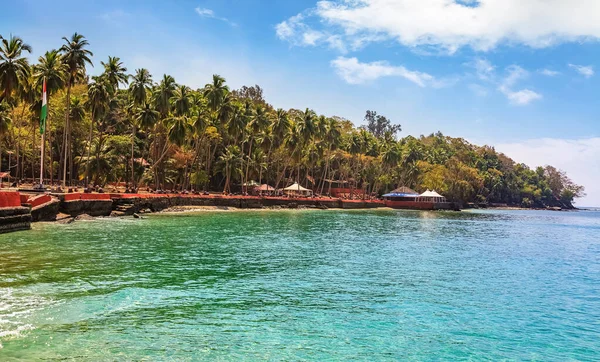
x=98, y=102
x=75, y=56
x=161, y=97
x=140, y=86
x=230, y=158
x=53, y=70
x=5, y=122
x=333, y=135
x=144, y=118
x=178, y=128
x=14, y=67
x=215, y=92
x=182, y=101
x=115, y=72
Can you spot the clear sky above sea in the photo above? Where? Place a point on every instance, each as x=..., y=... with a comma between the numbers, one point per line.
x=517, y=75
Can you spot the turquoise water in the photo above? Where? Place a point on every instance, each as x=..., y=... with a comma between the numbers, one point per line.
x=305, y=285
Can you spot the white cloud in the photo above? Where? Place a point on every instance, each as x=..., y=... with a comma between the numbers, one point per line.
x=486, y=71
x=522, y=97
x=448, y=25
x=549, y=72
x=580, y=158
x=208, y=13
x=483, y=68
x=295, y=31
x=355, y=72
x=586, y=71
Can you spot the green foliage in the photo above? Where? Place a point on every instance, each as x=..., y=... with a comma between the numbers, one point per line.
x=167, y=135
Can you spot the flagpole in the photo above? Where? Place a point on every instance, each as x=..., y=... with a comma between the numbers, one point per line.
x=42, y=160
x=43, y=117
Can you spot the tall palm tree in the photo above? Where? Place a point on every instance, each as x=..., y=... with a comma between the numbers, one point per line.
x=230, y=158
x=98, y=101
x=14, y=67
x=215, y=92
x=115, y=72
x=333, y=135
x=178, y=127
x=182, y=101
x=259, y=121
x=144, y=118
x=140, y=86
x=5, y=122
x=161, y=98
x=26, y=93
x=53, y=70
x=76, y=57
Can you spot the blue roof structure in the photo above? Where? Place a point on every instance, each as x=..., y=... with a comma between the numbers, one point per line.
x=400, y=194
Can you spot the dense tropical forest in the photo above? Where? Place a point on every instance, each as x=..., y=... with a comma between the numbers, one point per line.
x=132, y=128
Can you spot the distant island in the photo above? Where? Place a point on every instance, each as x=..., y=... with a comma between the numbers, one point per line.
x=132, y=130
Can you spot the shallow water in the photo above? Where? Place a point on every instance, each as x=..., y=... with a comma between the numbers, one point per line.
x=305, y=285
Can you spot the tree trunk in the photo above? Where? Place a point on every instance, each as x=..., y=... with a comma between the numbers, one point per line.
x=248, y=161
x=66, y=137
x=132, y=157
x=89, y=149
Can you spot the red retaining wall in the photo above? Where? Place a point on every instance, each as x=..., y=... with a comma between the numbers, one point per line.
x=10, y=199
x=39, y=200
x=80, y=196
x=410, y=205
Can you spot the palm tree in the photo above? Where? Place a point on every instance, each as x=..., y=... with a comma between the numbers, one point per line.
x=161, y=98
x=215, y=92
x=98, y=101
x=14, y=67
x=53, y=70
x=115, y=72
x=179, y=127
x=333, y=135
x=140, y=86
x=259, y=121
x=5, y=122
x=182, y=101
x=144, y=118
x=76, y=57
x=230, y=158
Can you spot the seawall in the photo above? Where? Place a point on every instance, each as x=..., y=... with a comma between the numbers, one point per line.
x=14, y=215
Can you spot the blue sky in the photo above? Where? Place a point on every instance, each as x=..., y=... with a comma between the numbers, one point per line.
x=517, y=75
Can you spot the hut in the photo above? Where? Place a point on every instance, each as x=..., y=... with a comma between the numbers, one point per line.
x=264, y=189
x=296, y=189
x=402, y=194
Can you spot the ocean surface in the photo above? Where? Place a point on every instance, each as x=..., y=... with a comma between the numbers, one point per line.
x=305, y=285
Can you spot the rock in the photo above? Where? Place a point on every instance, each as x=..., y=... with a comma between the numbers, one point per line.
x=60, y=216
x=137, y=216
x=117, y=214
x=83, y=217
x=66, y=220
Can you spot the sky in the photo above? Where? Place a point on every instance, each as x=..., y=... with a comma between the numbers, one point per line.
x=517, y=75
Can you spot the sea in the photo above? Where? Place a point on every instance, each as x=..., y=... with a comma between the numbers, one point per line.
x=305, y=285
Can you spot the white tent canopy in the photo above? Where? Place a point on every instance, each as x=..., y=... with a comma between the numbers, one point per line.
x=295, y=187
x=431, y=196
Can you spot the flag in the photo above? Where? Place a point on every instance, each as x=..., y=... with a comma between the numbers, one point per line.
x=44, y=112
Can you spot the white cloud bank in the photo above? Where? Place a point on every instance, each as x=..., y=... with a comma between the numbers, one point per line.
x=449, y=25
x=580, y=158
